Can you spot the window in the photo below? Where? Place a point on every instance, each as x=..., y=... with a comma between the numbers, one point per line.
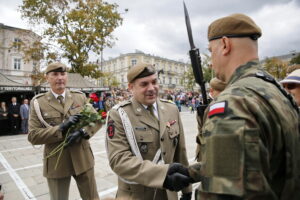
x=170, y=80
x=133, y=62
x=17, y=43
x=164, y=80
x=17, y=63
x=176, y=81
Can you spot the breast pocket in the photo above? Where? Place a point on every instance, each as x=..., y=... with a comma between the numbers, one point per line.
x=52, y=118
x=173, y=135
x=74, y=111
x=145, y=140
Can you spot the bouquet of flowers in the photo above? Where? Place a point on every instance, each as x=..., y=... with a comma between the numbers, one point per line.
x=103, y=115
x=88, y=118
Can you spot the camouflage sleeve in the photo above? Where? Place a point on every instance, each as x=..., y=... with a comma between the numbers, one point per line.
x=231, y=159
x=124, y=163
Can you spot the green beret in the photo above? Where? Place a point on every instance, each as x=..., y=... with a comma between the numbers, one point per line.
x=56, y=67
x=236, y=25
x=140, y=71
x=217, y=84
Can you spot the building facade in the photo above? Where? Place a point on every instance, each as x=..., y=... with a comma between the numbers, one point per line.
x=170, y=71
x=12, y=58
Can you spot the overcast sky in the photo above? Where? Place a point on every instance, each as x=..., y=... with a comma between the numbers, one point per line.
x=157, y=27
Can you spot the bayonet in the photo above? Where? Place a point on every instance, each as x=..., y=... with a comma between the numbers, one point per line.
x=195, y=58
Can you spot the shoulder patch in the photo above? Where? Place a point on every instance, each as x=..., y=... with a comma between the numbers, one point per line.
x=121, y=104
x=124, y=103
x=167, y=101
x=218, y=108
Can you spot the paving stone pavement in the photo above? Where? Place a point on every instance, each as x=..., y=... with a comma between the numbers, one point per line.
x=21, y=165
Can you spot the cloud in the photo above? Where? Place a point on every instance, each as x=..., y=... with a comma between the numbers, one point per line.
x=158, y=27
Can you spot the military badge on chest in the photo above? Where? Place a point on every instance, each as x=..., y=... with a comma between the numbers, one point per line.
x=172, y=134
x=144, y=148
x=110, y=129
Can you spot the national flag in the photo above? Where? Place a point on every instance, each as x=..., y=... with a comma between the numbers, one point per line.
x=217, y=108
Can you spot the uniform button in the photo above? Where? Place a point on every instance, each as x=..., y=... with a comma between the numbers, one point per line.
x=162, y=139
x=164, y=153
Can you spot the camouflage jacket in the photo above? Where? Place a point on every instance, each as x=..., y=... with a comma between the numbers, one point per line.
x=250, y=139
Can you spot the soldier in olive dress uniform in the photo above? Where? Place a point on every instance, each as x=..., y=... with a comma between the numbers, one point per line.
x=145, y=135
x=52, y=114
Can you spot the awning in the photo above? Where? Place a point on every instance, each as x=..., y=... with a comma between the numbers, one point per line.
x=77, y=82
x=7, y=84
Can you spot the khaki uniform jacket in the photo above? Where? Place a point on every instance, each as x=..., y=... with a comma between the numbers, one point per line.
x=250, y=140
x=150, y=135
x=75, y=159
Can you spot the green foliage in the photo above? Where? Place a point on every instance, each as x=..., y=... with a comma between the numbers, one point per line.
x=77, y=26
x=208, y=73
x=295, y=60
x=188, y=79
x=110, y=80
x=276, y=67
x=88, y=70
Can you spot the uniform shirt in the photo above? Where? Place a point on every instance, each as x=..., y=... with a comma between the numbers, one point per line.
x=56, y=95
x=155, y=111
x=250, y=136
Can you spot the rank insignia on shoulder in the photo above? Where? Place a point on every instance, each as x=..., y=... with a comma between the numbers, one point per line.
x=110, y=129
x=217, y=108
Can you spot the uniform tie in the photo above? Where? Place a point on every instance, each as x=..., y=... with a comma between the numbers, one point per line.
x=150, y=108
x=60, y=98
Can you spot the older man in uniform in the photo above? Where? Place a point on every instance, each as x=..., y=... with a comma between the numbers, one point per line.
x=251, y=129
x=145, y=135
x=52, y=114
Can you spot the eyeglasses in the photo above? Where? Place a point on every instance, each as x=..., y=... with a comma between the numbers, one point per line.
x=290, y=86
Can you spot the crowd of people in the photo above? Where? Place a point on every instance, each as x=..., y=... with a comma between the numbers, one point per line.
x=14, y=117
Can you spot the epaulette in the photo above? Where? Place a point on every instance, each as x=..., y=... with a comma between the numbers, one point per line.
x=121, y=104
x=167, y=101
x=38, y=95
x=76, y=91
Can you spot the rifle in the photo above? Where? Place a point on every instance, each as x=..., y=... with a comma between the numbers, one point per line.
x=196, y=64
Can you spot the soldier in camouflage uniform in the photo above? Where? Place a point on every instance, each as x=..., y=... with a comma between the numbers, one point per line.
x=251, y=129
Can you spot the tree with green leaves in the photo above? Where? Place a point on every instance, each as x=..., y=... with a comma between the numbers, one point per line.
x=78, y=27
x=295, y=60
x=276, y=67
x=110, y=80
x=188, y=79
